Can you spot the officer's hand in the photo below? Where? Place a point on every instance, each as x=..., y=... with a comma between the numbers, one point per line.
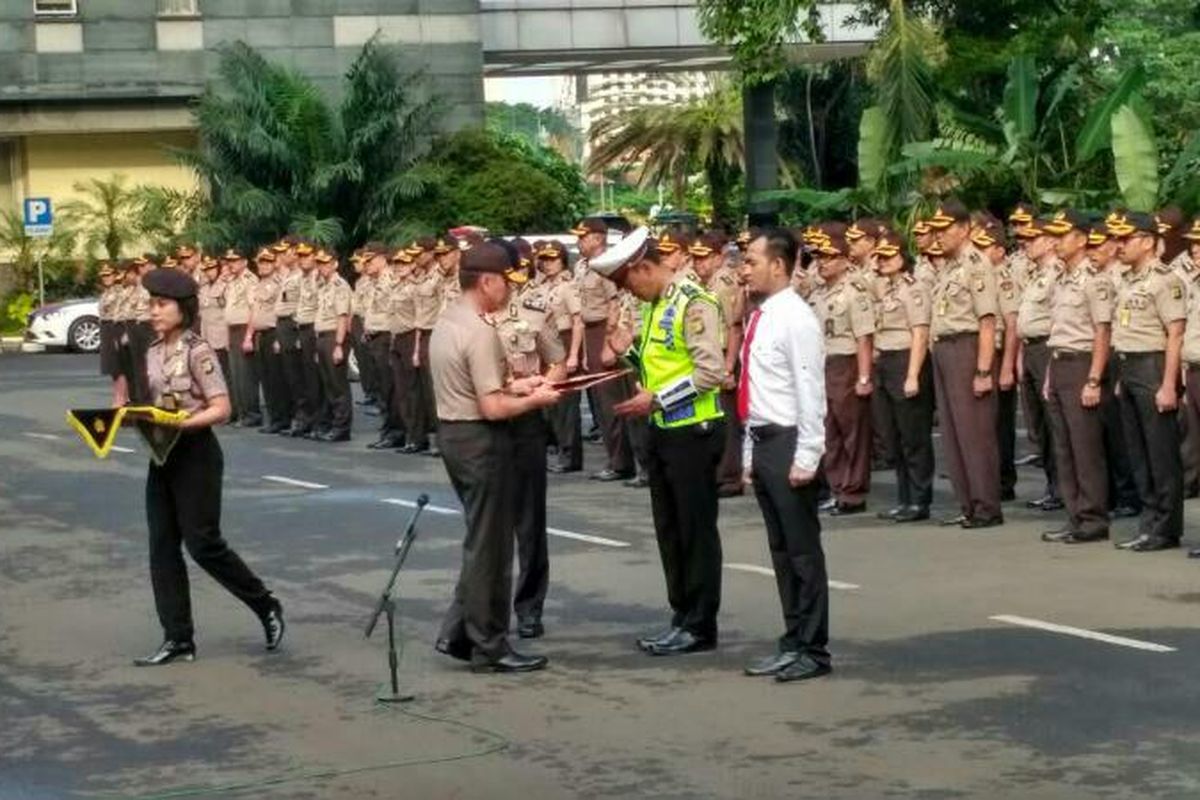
x=912, y=387
x=864, y=389
x=1090, y=396
x=747, y=477
x=338, y=354
x=544, y=396
x=982, y=386
x=247, y=345
x=1007, y=380
x=729, y=383
x=275, y=348
x=525, y=386
x=1166, y=400
x=640, y=405
x=572, y=365
x=416, y=359
x=800, y=477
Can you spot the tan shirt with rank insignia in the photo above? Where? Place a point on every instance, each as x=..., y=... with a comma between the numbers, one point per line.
x=1183, y=266
x=562, y=297
x=360, y=299
x=289, y=294
x=451, y=288
x=965, y=293
x=466, y=361
x=1008, y=299
x=262, y=311
x=185, y=376
x=239, y=294
x=596, y=294
x=846, y=314
x=427, y=299
x=724, y=285
x=123, y=304
x=333, y=300
x=1082, y=299
x=530, y=341
x=106, y=308
x=139, y=301
x=377, y=316
x=924, y=271
x=903, y=304
x=1191, y=334
x=306, y=306
x=213, y=326
x=1033, y=316
x=404, y=305
x=1147, y=301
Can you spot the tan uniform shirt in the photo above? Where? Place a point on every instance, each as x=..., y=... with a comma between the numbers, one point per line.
x=239, y=293
x=1191, y=334
x=1008, y=301
x=1081, y=300
x=1021, y=266
x=360, y=299
x=846, y=314
x=1033, y=316
x=903, y=305
x=123, y=304
x=451, y=289
x=289, y=294
x=562, y=296
x=139, y=300
x=306, y=306
x=723, y=283
x=923, y=271
x=1146, y=302
x=596, y=295
x=264, y=299
x=404, y=305
x=1183, y=266
x=185, y=376
x=427, y=299
x=528, y=335
x=110, y=299
x=377, y=316
x=965, y=293
x=333, y=301
x=213, y=326
x=466, y=361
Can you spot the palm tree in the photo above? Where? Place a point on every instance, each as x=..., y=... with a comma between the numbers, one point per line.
x=24, y=252
x=105, y=216
x=670, y=144
x=276, y=156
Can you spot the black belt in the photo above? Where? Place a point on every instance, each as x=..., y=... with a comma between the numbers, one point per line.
x=952, y=336
x=1193, y=365
x=761, y=433
x=1071, y=355
x=305, y=324
x=587, y=324
x=1035, y=339
x=322, y=334
x=1140, y=356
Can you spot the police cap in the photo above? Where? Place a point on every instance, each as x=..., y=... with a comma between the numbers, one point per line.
x=169, y=283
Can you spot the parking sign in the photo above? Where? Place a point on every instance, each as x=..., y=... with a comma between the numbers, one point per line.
x=39, y=216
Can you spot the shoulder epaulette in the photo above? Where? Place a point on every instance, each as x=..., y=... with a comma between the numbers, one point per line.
x=910, y=278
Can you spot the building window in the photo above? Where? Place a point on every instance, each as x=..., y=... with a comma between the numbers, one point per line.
x=54, y=8
x=177, y=8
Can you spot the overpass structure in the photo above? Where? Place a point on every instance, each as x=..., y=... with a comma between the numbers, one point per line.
x=554, y=37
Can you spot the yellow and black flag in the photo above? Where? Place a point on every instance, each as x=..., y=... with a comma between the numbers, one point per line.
x=98, y=428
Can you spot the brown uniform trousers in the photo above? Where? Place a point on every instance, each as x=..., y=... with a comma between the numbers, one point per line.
x=604, y=397
x=1036, y=360
x=1077, y=434
x=847, y=432
x=404, y=381
x=566, y=423
x=968, y=426
x=729, y=471
x=909, y=426
x=1153, y=440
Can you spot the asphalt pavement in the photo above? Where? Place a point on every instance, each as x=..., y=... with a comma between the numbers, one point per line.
x=967, y=664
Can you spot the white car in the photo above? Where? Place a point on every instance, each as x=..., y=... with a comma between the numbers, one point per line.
x=73, y=324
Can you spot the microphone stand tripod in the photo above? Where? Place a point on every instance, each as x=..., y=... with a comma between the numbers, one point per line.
x=387, y=606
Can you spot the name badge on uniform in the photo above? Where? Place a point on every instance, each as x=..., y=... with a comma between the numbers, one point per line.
x=1123, y=317
x=943, y=307
x=829, y=327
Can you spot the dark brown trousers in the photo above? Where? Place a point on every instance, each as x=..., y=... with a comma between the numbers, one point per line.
x=602, y=399
x=1036, y=360
x=1153, y=441
x=404, y=377
x=1078, y=437
x=968, y=425
x=909, y=424
x=729, y=471
x=566, y=422
x=847, y=432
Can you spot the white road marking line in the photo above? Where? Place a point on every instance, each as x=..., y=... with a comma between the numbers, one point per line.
x=770, y=573
x=119, y=449
x=432, y=509
x=294, y=482
x=1082, y=633
x=51, y=437
x=583, y=537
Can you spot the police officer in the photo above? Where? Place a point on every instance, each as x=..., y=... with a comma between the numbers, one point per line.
x=377, y=339
x=332, y=326
x=1191, y=346
x=404, y=343
x=427, y=303
x=360, y=300
x=183, y=496
x=287, y=330
x=1148, y=337
x=904, y=377
x=268, y=355
x=312, y=407
x=681, y=361
x=238, y=292
x=106, y=310
x=532, y=347
x=138, y=334
x=474, y=403
x=213, y=328
x=566, y=310
x=844, y=307
x=963, y=328
x=1080, y=336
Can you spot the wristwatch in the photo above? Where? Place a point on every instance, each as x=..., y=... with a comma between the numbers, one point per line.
x=863, y=380
x=983, y=373
x=1093, y=383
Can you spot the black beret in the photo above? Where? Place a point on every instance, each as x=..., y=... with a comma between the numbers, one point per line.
x=169, y=283
x=487, y=257
x=510, y=249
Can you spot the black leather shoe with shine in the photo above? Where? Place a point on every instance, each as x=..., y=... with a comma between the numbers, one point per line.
x=167, y=652
x=510, y=662
x=771, y=665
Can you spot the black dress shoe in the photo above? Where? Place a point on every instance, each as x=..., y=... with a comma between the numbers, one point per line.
x=803, y=669
x=1008, y=495
x=278, y=427
x=644, y=643
x=1147, y=544
x=459, y=650
x=411, y=448
x=371, y=410
x=1031, y=460
x=609, y=475
x=847, y=509
x=731, y=490
x=384, y=443
x=1079, y=537
x=251, y=422
x=955, y=521
x=682, y=642
x=827, y=505
x=637, y=482
x=296, y=432
x=530, y=629
x=765, y=667
x=509, y=662
x=912, y=514
x=1124, y=512
x=1058, y=537
x=273, y=626
x=167, y=652
x=979, y=523
x=336, y=436
x=891, y=514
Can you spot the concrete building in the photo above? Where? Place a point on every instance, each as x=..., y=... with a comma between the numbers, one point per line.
x=89, y=88
x=603, y=94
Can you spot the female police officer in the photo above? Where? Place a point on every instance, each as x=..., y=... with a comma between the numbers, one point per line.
x=183, y=496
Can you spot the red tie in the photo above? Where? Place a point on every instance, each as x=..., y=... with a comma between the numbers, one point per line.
x=743, y=392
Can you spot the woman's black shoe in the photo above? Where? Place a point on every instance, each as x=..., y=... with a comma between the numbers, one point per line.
x=273, y=626
x=167, y=652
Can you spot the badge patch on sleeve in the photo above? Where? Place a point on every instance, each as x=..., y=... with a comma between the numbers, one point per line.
x=207, y=366
x=695, y=326
x=1176, y=291
x=979, y=284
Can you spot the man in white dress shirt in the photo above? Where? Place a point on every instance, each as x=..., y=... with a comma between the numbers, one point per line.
x=781, y=400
